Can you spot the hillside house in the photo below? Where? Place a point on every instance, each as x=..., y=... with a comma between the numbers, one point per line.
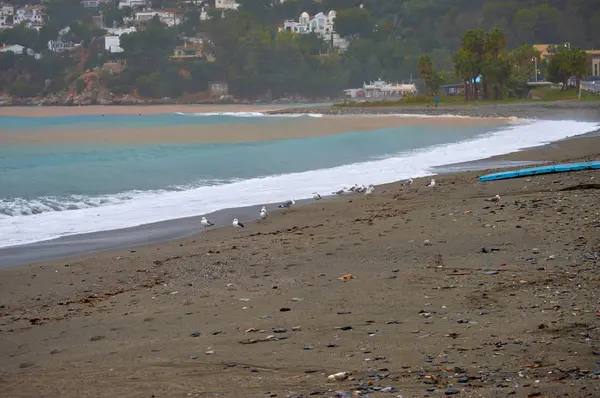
x=61, y=44
x=168, y=17
x=7, y=13
x=133, y=4
x=31, y=16
x=226, y=5
x=94, y=3
x=320, y=24
x=188, y=51
x=19, y=50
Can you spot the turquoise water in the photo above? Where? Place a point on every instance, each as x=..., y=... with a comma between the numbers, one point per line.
x=101, y=169
x=49, y=191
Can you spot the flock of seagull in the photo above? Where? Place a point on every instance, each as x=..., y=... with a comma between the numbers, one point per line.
x=264, y=214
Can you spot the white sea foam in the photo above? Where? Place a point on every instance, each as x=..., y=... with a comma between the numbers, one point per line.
x=137, y=208
x=250, y=114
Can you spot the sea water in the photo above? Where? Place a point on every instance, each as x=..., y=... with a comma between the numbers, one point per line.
x=53, y=190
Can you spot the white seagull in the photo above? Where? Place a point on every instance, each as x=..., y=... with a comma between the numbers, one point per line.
x=431, y=184
x=263, y=213
x=287, y=204
x=409, y=181
x=494, y=199
x=238, y=224
x=370, y=190
x=316, y=196
x=205, y=223
x=340, y=192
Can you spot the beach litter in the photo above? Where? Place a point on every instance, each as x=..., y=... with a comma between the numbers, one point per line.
x=346, y=277
x=338, y=376
x=263, y=340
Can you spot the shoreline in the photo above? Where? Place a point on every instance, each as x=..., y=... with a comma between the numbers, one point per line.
x=87, y=244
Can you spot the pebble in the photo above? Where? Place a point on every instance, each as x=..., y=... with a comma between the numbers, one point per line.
x=195, y=334
x=279, y=330
x=490, y=272
x=452, y=391
x=308, y=347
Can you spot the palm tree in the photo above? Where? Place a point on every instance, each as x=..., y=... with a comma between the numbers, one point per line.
x=425, y=67
x=473, y=43
x=462, y=69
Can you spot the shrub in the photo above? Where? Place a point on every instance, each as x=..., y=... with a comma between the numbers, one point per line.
x=79, y=85
x=24, y=88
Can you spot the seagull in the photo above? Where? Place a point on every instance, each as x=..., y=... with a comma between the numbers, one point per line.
x=287, y=204
x=263, y=213
x=353, y=188
x=340, y=192
x=205, y=223
x=238, y=224
x=431, y=184
x=361, y=189
x=370, y=190
x=409, y=181
x=316, y=196
x=494, y=199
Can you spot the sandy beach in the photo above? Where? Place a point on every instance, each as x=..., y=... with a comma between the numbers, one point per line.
x=446, y=293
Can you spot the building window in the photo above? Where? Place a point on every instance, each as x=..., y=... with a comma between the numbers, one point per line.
x=595, y=69
x=179, y=53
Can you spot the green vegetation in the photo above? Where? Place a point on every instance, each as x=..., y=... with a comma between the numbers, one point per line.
x=441, y=41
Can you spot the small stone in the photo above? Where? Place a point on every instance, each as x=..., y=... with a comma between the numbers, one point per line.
x=490, y=272
x=194, y=357
x=284, y=309
x=308, y=347
x=535, y=250
x=195, y=334
x=279, y=330
x=346, y=328
x=296, y=328
x=463, y=379
x=97, y=338
x=427, y=242
x=452, y=391
x=265, y=316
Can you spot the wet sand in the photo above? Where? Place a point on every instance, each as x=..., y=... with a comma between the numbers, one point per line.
x=450, y=294
x=236, y=131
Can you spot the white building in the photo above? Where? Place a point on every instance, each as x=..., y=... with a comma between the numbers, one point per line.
x=31, y=16
x=60, y=44
x=94, y=3
x=121, y=31
x=133, y=3
x=7, y=13
x=112, y=43
x=226, y=5
x=381, y=89
x=19, y=50
x=169, y=18
x=320, y=24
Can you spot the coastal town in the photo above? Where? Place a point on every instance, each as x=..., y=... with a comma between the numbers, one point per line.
x=100, y=52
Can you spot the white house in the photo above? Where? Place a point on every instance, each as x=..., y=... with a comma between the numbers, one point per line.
x=169, y=18
x=19, y=50
x=320, y=24
x=226, y=5
x=29, y=15
x=133, y=3
x=7, y=13
x=112, y=43
x=94, y=3
x=60, y=44
x=120, y=31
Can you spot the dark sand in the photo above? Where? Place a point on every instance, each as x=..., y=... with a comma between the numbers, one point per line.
x=427, y=312
x=535, y=110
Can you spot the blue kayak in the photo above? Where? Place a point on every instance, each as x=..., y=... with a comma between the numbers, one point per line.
x=533, y=171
